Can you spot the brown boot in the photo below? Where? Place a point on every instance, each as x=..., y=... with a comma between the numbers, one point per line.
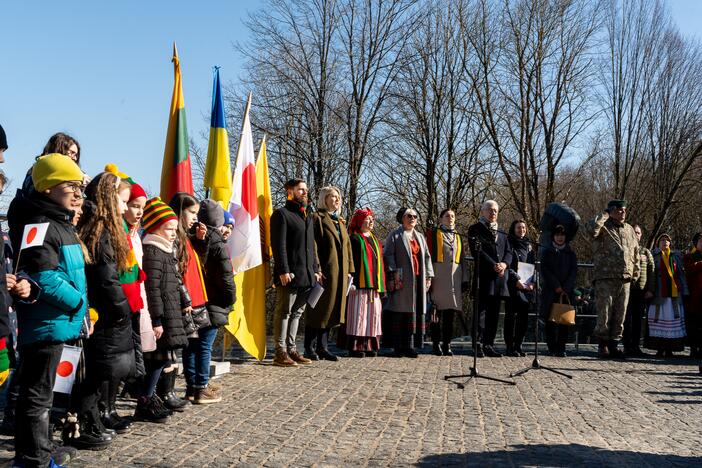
x=282, y=359
x=207, y=395
x=298, y=358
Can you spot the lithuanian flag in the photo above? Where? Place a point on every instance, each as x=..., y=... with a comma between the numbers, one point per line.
x=176, y=174
x=218, y=172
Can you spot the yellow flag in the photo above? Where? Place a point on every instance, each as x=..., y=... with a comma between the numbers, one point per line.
x=247, y=322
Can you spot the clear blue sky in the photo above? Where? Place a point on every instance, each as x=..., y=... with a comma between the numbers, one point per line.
x=102, y=72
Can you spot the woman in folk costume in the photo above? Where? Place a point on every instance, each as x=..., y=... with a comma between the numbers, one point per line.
x=362, y=332
x=410, y=271
x=334, y=253
x=451, y=278
x=665, y=289
x=693, y=303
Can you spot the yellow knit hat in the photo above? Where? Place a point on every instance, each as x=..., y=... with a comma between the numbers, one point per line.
x=53, y=169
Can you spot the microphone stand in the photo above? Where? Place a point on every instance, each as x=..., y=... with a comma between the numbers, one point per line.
x=476, y=310
x=535, y=364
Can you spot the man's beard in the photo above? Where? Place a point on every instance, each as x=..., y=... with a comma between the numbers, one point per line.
x=302, y=200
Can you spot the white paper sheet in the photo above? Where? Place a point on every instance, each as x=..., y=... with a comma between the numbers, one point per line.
x=525, y=272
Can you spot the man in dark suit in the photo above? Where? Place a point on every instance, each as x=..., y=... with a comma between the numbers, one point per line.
x=296, y=270
x=493, y=261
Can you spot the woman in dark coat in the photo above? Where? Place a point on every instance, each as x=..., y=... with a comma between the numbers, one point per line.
x=334, y=253
x=559, y=267
x=520, y=289
x=693, y=303
x=109, y=352
x=410, y=271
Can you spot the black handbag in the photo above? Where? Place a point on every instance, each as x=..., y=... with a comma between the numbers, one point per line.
x=201, y=318
x=189, y=326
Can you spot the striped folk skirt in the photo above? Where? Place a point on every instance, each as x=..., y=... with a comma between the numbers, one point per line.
x=363, y=313
x=666, y=325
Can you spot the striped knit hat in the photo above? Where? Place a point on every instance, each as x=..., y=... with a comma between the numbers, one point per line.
x=155, y=214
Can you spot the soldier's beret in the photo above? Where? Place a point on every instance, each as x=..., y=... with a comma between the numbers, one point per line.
x=616, y=204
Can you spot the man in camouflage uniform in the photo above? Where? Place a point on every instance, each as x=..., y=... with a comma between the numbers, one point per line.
x=637, y=302
x=615, y=252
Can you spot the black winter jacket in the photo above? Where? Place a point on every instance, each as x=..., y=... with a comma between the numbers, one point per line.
x=292, y=241
x=559, y=269
x=113, y=330
x=164, y=293
x=493, y=251
x=218, y=275
x=521, y=252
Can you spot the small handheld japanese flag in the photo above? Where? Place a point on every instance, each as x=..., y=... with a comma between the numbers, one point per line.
x=34, y=235
x=66, y=370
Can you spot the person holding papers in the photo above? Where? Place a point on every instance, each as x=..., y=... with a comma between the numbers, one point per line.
x=521, y=287
x=334, y=251
x=295, y=270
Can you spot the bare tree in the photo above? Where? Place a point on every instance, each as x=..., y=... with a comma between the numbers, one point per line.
x=531, y=81
x=372, y=35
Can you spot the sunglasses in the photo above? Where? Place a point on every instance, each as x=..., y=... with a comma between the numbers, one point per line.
x=411, y=216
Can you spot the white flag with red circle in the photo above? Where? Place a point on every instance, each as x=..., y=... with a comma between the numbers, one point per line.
x=66, y=370
x=244, y=244
x=34, y=235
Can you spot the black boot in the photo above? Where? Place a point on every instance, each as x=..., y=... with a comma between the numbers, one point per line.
x=436, y=349
x=91, y=435
x=446, y=349
x=166, y=391
x=150, y=409
x=108, y=412
x=322, y=346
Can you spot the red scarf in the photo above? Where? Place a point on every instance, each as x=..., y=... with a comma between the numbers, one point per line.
x=193, y=278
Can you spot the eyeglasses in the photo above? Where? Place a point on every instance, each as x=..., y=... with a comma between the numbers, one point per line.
x=75, y=187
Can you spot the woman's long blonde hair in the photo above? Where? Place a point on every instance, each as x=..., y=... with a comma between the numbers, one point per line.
x=105, y=217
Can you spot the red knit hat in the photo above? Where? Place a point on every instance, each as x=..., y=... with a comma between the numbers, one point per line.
x=136, y=192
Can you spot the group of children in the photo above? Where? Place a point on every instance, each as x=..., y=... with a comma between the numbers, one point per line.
x=128, y=279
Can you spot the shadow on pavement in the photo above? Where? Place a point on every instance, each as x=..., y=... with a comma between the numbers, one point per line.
x=558, y=455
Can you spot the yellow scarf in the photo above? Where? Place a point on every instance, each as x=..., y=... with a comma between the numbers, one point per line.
x=665, y=256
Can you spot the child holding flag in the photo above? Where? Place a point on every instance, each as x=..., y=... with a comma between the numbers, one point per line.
x=53, y=258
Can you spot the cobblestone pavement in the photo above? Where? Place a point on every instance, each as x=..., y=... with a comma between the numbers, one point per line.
x=386, y=411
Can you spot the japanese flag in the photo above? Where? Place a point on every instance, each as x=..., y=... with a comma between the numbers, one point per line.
x=66, y=370
x=34, y=235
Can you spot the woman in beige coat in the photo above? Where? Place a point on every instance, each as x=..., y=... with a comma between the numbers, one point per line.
x=451, y=278
x=335, y=259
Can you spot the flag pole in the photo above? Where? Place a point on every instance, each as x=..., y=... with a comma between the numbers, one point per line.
x=246, y=112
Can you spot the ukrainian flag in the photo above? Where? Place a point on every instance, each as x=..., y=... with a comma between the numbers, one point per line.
x=218, y=175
